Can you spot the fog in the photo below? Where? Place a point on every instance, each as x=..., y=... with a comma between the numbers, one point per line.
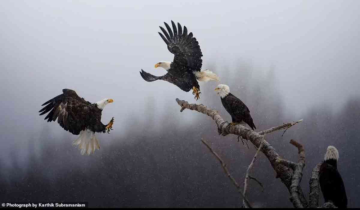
x=286, y=60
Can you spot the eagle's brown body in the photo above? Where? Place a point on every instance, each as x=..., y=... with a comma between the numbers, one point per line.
x=73, y=113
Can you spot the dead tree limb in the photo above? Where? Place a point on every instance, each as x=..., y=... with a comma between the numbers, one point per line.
x=287, y=163
x=314, y=187
x=283, y=172
x=247, y=176
x=285, y=126
x=257, y=181
x=296, y=178
x=223, y=165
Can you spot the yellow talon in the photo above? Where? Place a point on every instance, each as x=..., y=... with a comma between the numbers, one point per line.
x=196, y=92
x=109, y=126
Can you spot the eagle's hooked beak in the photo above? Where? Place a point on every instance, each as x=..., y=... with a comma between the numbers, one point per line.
x=217, y=89
x=110, y=100
x=157, y=65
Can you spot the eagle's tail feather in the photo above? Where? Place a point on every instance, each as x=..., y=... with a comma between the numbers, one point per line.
x=206, y=75
x=87, y=142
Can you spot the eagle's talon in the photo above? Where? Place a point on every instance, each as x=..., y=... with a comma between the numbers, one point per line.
x=231, y=124
x=234, y=124
x=196, y=92
x=109, y=126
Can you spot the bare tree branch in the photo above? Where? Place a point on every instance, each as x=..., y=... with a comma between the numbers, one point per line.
x=248, y=171
x=314, y=187
x=286, y=163
x=283, y=172
x=286, y=126
x=223, y=165
x=257, y=181
x=296, y=179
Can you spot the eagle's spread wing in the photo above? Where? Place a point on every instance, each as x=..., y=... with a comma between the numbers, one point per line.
x=148, y=77
x=184, y=46
x=73, y=113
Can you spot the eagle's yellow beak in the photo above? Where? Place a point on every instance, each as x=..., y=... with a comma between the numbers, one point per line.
x=110, y=100
x=157, y=65
x=217, y=89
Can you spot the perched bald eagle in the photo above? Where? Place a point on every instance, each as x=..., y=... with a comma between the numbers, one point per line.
x=185, y=69
x=331, y=183
x=78, y=116
x=239, y=112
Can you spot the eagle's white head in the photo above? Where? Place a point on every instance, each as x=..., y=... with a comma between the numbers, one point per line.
x=331, y=153
x=101, y=104
x=163, y=64
x=222, y=90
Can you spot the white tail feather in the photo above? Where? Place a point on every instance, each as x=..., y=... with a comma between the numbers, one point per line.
x=87, y=142
x=206, y=75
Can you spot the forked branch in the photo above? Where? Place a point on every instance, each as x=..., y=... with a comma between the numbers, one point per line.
x=296, y=179
x=247, y=175
x=223, y=165
x=284, y=172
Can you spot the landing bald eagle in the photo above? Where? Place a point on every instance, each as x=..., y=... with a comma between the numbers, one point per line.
x=234, y=106
x=331, y=183
x=78, y=116
x=185, y=69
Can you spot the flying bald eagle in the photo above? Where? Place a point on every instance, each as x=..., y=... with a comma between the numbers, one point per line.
x=78, y=116
x=331, y=183
x=185, y=69
x=239, y=112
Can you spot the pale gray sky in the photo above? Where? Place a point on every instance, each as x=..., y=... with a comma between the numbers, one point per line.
x=98, y=48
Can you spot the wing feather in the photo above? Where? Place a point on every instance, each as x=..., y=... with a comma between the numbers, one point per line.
x=189, y=37
x=169, y=30
x=238, y=110
x=70, y=111
x=332, y=185
x=180, y=30
x=174, y=29
x=184, y=46
x=185, y=32
x=165, y=40
x=56, y=114
x=166, y=34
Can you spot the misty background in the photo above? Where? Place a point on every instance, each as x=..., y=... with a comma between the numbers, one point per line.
x=287, y=60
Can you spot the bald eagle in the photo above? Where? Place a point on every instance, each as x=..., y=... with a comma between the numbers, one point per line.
x=331, y=183
x=78, y=116
x=185, y=69
x=239, y=112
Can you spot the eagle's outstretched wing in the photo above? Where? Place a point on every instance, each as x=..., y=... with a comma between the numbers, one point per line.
x=73, y=113
x=148, y=77
x=184, y=46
